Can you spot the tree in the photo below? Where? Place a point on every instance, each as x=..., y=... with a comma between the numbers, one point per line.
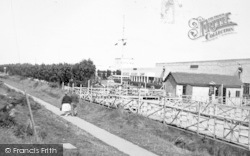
x=108, y=73
x=84, y=71
x=118, y=72
x=80, y=72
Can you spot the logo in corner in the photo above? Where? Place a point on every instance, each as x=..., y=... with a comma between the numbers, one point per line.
x=211, y=28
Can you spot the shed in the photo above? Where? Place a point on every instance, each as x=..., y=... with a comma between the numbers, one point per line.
x=179, y=83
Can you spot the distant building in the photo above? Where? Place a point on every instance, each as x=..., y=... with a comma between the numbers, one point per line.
x=119, y=65
x=123, y=62
x=232, y=67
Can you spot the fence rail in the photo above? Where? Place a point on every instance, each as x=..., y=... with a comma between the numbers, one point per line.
x=225, y=121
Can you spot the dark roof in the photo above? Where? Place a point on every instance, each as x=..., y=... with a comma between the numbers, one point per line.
x=205, y=79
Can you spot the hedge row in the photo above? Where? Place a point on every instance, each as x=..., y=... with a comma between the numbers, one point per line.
x=78, y=73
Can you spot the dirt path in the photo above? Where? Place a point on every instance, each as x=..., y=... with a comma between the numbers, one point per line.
x=110, y=139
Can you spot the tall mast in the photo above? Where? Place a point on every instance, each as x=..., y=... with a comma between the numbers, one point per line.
x=123, y=44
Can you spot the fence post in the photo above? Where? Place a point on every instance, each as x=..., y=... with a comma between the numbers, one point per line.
x=198, y=124
x=88, y=86
x=249, y=129
x=164, y=110
x=91, y=92
x=31, y=117
x=139, y=98
x=215, y=113
x=80, y=92
x=62, y=85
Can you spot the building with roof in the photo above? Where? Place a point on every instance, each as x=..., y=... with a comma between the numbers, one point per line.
x=203, y=85
x=231, y=67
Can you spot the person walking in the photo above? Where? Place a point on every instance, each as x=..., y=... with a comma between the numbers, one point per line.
x=75, y=101
x=66, y=105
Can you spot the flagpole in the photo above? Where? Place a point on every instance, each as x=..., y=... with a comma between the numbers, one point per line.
x=123, y=30
x=122, y=50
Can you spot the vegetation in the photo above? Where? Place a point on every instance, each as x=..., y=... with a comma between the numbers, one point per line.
x=151, y=135
x=104, y=74
x=78, y=73
x=51, y=129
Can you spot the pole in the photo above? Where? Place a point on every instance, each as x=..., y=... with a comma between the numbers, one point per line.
x=198, y=124
x=215, y=115
x=222, y=94
x=31, y=117
x=123, y=44
x=249, y=130
x=164, y=110
x=88, y=86
x=80, y=93
x=91, y=94
x=139, y=98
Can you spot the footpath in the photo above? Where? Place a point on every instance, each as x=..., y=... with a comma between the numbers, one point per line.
x=110, y=139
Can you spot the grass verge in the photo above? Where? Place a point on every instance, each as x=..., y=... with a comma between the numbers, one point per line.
x=149, y=134
x=51, y=129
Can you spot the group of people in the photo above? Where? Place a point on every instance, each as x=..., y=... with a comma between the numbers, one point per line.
x=69, y=104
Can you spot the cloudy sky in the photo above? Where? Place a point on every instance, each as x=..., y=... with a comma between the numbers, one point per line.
x=53, y=31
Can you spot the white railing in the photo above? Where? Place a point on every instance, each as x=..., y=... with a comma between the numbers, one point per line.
x=219, y=118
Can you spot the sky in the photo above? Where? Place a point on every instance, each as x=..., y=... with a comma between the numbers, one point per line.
x=57, y=31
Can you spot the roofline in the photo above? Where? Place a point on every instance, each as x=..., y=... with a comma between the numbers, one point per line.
x=205, y=74
x=225, y=60
x=170, y=73
x=207, y=85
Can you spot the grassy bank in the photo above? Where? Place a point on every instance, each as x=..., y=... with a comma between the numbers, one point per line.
x=51, y=129
x=144, y=132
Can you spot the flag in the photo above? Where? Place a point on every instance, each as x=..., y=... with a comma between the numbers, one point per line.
x=122, y=41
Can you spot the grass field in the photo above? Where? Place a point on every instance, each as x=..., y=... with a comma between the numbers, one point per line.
x=51, y=129
x=149, y=134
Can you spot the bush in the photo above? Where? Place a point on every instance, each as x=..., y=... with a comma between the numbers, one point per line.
x=36, y=84
x=4, y=76
x=6, y=121
x=20, y=99
x=53, y=85
x=22, y=131
x=42, y=134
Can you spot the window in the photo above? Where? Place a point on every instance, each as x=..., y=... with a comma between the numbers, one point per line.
x=194, y=66
x=237, y=93
x=184, y=90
